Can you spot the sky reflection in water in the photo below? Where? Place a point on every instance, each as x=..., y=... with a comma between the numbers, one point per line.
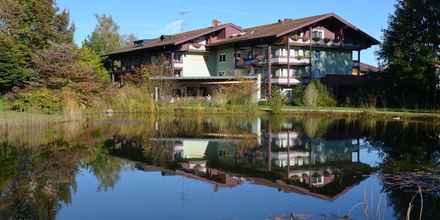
x=214, y=168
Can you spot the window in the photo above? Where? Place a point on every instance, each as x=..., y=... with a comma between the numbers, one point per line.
x=318, y=55
x=317, y=180
x=222, y=58
x=177, y=73
x=221, y=73
x=318, y=34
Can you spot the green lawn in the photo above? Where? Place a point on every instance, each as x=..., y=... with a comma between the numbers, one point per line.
x=349, y=110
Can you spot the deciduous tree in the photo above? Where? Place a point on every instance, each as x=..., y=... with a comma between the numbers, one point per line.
x=105, y=38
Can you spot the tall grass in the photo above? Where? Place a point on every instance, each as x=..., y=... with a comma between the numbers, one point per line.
x=277, y=102
x=2, y=104
x=317, y=95
x=128, y=99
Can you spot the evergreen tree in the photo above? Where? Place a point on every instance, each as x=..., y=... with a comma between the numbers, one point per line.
x=27, y=26
x=35, y=23
x=105, y=38
x=13, y=71
x=411, y=52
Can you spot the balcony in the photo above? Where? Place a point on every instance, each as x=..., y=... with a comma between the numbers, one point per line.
x=356, y=64
x=250, y=61
x=292, y=60
x=317, y=42
x=178, y=64
x=285, y=81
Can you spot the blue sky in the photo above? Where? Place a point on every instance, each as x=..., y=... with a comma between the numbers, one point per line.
x=151, y=18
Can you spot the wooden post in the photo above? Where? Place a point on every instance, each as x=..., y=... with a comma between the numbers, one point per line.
x=269, y=71
x=359, y=62
x=172, y=63
x=269, y=159
x=235, y=56
x=288, y=60
x=310, y=52
x=358, y=151
x=288, y=154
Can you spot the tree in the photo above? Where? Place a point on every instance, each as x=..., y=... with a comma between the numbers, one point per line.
x=105, y=38
x=35, y=23
x=89, y=57
x=27, y=26
x=64, y=67
x=129, y=40
x=411, y=51
x=13, y=71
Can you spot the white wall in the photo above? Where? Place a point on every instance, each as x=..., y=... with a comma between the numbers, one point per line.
x=195, y=65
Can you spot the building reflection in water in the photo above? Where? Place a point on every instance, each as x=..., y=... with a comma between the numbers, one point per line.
x=287, y=159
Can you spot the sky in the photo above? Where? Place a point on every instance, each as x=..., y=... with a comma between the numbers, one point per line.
x=152, y=18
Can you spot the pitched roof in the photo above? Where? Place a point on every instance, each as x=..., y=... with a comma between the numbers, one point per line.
x=166, y=40
x=366, y=68
x=270, y=30
x=287, y=26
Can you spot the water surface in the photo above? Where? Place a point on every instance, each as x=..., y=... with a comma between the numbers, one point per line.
x=217, y=167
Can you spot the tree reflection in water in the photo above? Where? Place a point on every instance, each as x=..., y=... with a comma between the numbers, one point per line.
x=315, y=156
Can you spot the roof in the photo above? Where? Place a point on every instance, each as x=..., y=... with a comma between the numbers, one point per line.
x=272, y=30
x=287, y=26
x=214, y=78
x=264, y=31
x=366, y=68
x=173, y=39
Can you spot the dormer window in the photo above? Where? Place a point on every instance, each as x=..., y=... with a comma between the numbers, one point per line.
x=318, y=35
x=138, y=43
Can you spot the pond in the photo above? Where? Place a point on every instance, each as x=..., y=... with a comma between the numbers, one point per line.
x=221, y=167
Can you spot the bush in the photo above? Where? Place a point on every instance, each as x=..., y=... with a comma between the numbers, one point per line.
x=41, y=100
x=317, y=95
x=277, y=102
x=298, y=95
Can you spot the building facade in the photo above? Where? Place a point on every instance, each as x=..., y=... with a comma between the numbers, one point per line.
x=279, y=55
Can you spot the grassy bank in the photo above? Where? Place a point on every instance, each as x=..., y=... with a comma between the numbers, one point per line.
x=17, y=119
x=394, y=113
x=8, y=118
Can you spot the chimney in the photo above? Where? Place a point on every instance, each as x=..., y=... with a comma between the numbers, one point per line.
x=216, y=23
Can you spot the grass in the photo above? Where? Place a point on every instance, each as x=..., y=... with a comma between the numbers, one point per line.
x=2, y=104
x=18, y=119
x=383, y=112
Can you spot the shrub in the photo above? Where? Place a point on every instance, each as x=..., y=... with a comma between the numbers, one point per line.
x=317, y=95
x=298, y=95
x=277, y=101
x=41, y=100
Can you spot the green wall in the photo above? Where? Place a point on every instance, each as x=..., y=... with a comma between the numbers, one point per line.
x=332, y=62
x=227, y=67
